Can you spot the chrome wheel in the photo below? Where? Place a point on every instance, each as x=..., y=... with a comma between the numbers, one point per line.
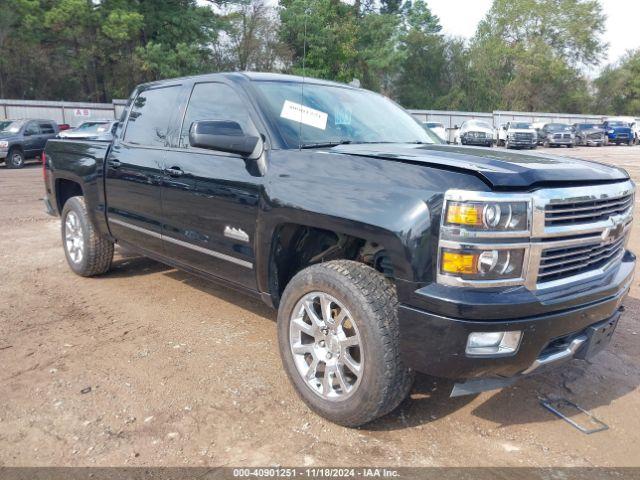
x=17, y=160
x=74, y=237
x=326, y=346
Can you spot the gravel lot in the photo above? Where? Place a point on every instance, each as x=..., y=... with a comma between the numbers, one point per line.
x=151, y=366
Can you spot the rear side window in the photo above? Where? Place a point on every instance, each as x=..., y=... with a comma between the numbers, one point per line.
x=149, y=117
x=46, y=128
x=215, y=102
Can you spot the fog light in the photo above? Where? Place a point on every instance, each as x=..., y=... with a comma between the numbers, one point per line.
x=493, y=343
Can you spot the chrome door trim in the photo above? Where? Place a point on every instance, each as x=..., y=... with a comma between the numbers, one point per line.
x=197, y=248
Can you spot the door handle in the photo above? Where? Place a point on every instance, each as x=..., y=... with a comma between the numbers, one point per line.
x=174, y=171
x=114, y=163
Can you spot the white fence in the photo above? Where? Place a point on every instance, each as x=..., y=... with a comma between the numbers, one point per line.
x=75, y=113
x=497, y=118
x=72, y=113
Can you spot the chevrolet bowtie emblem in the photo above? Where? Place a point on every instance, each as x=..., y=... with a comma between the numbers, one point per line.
x=613, y=233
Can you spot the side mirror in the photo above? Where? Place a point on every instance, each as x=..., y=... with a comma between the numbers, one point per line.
x=455, y=127
x=224, y=136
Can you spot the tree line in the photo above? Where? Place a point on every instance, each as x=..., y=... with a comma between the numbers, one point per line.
x=527, y=55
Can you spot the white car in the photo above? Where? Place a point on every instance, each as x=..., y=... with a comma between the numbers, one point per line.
x=437, y=128
x=91, y=130
x=475, y=132
x=517, y=135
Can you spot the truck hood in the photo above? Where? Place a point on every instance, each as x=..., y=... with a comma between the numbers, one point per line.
x=9, y=136
x=498, y=168
x=620, y=129
x=521, y=130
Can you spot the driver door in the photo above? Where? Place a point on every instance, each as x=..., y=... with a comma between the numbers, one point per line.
x=210, y=198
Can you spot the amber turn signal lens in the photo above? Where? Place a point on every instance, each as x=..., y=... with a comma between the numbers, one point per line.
x=459, y=263
x=464, y=214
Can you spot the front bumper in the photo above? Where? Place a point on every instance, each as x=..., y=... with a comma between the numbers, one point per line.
x=560, y=141
x=434, y=343
x=522, y=143
x=619, y=137
x=4, y=152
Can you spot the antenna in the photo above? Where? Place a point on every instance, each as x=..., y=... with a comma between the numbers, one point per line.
x=304, y=57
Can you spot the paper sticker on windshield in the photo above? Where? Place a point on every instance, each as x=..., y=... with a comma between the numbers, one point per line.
x=305, y=115
x=342, y=116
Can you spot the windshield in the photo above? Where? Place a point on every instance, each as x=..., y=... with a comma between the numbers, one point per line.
x=475, y=123
x=9, y=126
x=333, y=115
x=586, y=126
x=93, y=127
x=617, y=124
x=433, y=125
x=558, y=127
x=521, y=125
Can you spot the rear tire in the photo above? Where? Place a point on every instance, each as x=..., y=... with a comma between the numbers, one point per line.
x=87, y=252
x=381, y=381
x=15, y=158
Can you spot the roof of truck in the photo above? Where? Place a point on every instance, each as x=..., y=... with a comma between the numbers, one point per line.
x=252, y=76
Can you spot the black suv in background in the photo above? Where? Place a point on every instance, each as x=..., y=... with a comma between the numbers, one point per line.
x=22, y=139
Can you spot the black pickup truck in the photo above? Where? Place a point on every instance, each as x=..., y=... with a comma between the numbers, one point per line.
x=384, y=252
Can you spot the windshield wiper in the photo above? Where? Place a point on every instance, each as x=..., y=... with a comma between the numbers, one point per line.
x=348, y=142
x=325, y=144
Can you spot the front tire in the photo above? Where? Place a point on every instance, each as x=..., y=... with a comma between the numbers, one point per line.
x=87, y=253
x=339, y=341
x=15, y=158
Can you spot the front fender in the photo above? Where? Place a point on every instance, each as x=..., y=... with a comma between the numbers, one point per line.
x=392, y=203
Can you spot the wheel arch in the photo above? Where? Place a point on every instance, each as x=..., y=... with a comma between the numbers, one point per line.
x=292, y=244
x=65, y=189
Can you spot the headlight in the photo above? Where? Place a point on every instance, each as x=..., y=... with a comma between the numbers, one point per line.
x=484, y=238
x=611, y=131
x=482, y=264
x=4, y=144
x=493, y=216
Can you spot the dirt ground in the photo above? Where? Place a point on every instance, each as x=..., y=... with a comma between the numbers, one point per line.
x=150, y=366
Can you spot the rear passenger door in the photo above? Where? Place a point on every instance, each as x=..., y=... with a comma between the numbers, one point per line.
x=32, y=139
x=47, y=131
x=134, y=169
x=210, y=202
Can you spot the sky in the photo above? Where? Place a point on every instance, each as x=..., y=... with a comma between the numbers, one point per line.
x=461, y=17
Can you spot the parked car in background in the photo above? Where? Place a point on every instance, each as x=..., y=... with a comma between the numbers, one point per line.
x=437, y=128
x=589, y=134
x=93, y=130
x=556, y=135
x=618, y=132
x=63, y=126
x=475, y=132
x=434, y=136
x=633, y=123
x=518, y=135
x=24, y=139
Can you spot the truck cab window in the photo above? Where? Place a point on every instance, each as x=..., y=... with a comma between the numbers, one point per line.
x=148, y=122
x=215, y=101
x=46, y=129
x=32, y=129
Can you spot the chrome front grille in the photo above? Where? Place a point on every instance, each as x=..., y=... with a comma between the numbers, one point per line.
x=595, y=136
x=559, y=263
x=574, y=234
x=588, y=211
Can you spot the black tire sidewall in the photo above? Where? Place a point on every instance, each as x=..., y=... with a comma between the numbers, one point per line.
x=9, y=159
x=371, y=387
x=75, y=205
